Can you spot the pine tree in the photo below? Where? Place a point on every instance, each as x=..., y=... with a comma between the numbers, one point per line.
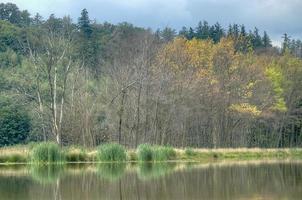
x=184, y=32
x=216, y=32
x=286, y=43
x=84, y=24
x=266, y=40
x=256, y=39
x=191, y=34
x=242, y=31
x=203, y=30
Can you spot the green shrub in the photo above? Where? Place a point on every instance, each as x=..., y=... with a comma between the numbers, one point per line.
x=111, y=153
x=47, y=152
x=13, y=158
x=14, y=123
x=17, y=158
x=190, y=152
x=145, y=153
x=164, y=153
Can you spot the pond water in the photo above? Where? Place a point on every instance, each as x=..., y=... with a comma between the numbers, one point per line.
x=219, y=181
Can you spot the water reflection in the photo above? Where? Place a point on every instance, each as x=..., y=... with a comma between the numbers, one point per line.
x=46, y=174
x=111, y=171
x=154, y=170
x=280, y=180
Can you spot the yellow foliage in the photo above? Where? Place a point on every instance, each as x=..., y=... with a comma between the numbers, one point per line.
x=245, y=108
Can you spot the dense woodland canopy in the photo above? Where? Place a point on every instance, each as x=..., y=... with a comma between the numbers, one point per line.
x=86, y=83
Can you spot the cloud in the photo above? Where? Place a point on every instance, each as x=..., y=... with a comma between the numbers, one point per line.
x=275, y=16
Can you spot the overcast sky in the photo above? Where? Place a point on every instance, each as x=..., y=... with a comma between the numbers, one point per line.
x=274, y=16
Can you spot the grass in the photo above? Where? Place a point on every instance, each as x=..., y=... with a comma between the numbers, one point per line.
x=76, y=154
x=45, y=153
x=163, y=153
x=145, y=153
x=148, y=153
x=111, y=152
x=190, y=152
x=14, y=154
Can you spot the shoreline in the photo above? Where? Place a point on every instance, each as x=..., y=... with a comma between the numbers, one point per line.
x=20, y=155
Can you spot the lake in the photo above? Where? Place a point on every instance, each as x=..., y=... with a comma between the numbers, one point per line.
x=220, y=181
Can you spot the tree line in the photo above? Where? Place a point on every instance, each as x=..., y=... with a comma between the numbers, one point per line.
x=87, y=83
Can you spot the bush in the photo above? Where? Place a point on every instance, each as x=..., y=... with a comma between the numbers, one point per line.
x=145, y=153
x=163, y=153
x=47, y=152
x=14, y=123
x=13, y=158
x=111, y=153
x=190, y=152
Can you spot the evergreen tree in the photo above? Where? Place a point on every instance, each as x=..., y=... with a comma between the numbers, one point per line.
x=286, y=43
x=88, y=47
x=191, y=33
x=37, y=20
x=256, y=39
x=184, y=32
x=216, y=32
x=168, y=34
x=266, y=41
x=84, y=24
x=242, y=31
x=203, y=30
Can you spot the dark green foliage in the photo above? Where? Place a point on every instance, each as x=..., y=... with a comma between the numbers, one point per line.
x=9, y=37
x=266, y=40
x=14, y=123
x=84, y=24
x=47, y=153
x=111, y=152
x=145, y=152
x=10, y=12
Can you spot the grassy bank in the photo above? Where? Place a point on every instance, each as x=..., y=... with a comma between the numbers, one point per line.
x=147, y=153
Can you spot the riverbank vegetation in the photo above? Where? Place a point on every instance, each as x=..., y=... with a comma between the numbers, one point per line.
x=50, y=153
x=86, y=83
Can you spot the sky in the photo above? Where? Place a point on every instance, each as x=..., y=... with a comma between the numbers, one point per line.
x=275, y=16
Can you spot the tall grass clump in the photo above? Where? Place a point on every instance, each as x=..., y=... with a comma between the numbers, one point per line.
x=111, y=152
x=163, y=153
x=190, y=152
x=145, y=153
x=76, y=154
x=47, y=153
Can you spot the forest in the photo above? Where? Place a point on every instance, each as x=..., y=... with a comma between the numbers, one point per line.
x=87, y=83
